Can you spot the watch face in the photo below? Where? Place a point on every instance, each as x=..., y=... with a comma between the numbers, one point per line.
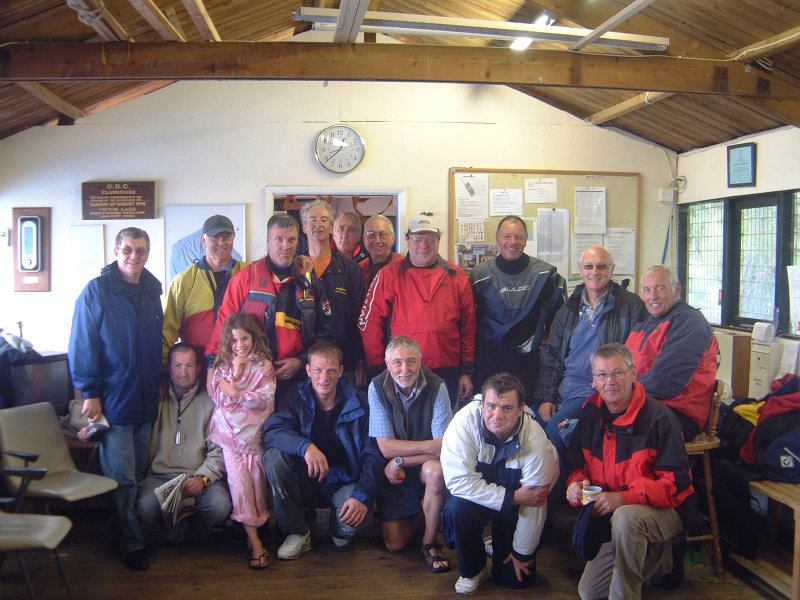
x=340, y=148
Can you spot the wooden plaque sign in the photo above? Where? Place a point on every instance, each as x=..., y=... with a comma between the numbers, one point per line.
x=103, y=200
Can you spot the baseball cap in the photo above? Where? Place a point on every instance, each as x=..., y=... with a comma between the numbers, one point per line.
x=422, y=224
x=216, y=225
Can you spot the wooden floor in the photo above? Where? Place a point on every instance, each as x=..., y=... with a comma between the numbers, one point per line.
x=363, y=571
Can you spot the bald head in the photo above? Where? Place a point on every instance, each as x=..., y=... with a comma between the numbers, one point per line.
x=597, y=267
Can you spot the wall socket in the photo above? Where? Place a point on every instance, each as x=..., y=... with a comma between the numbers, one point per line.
x=667, y=195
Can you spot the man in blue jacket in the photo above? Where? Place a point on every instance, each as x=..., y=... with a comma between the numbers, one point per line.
x=319, y=454
x=115, y=355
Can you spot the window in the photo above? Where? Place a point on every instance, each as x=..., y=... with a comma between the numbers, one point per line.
x=733, y=257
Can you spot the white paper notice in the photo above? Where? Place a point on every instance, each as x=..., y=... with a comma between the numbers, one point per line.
x=621, y=243
x=541, y=191
x=552, y=234
x=472, y=196
x=793, y=272
x=590, y=210
x=471, y=231
x=789, y=358
x=505, y=202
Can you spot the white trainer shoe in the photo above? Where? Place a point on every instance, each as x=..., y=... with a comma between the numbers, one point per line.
x=341, y=542
x=487, y=546
x=466, y=586
x=294, y=545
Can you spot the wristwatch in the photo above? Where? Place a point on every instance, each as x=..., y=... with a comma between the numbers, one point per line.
x=206, y=480
x=399, y=461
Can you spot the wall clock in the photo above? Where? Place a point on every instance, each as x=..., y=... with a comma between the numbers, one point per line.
x=340, y=148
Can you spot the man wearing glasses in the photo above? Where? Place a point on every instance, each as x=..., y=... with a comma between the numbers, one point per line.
x=379, y=238
x=631, y=446
x=598, y=312
x=114, y=356
x=675, y=351
x=428, y=299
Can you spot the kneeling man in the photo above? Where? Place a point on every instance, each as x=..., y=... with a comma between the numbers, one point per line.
x=631, y=446
x=498, y=466
x=179, y=446
x=319, y=454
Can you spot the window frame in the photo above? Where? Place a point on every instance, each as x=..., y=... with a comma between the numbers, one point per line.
x=731, y=253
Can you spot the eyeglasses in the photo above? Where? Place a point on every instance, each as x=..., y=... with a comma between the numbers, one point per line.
x=127, y=251
x=616, y=375
x=419, y=239
x=384, y=235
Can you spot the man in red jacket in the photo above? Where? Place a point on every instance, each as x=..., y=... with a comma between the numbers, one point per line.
x=429, y=300
x=631, y=446
x=675, y=351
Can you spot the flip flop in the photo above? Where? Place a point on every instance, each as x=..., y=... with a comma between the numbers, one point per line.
x=259, y=562
x=431, y=558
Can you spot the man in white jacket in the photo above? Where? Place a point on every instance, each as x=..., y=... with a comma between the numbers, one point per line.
x=498, y=467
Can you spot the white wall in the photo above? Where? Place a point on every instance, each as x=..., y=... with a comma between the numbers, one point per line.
x=225, y=142
x=777, y=160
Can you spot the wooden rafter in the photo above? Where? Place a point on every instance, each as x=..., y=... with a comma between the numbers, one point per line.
x=768, y=47
x=351, y=16
x=623, y=15
x=380, y=62
x=157, y=19
x=627, y=106
x=202, y=20
x=51, y=99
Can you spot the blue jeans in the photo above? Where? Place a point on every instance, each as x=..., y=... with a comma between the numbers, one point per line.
x=569, y=409
x=125, y=457
x=293, y=489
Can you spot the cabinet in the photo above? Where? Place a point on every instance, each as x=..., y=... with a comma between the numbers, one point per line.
x=734, y=361
x=765, y=358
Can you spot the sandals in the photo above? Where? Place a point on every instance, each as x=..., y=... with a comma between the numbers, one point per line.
x=259, y=562
x=431, y=558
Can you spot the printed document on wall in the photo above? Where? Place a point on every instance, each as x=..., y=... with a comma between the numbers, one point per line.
x=472, y=196
x=543, y=190
x=621, y=243
x=505, y=202
x=590, y=210
x=552, y=235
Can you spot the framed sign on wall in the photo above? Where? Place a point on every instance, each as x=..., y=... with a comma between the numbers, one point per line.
x=742, y=165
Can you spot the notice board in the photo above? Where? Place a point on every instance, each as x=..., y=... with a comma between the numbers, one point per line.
x=565, y=211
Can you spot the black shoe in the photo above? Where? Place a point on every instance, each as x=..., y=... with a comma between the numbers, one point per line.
x=674, y=578
x=137, y=560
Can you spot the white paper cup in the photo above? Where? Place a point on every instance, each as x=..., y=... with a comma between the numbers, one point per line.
x=589, y=492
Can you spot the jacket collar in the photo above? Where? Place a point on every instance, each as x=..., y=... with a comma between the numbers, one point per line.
x=406, y=265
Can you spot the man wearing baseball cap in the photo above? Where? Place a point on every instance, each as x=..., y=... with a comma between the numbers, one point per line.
x=429, y=299
x=196, y=293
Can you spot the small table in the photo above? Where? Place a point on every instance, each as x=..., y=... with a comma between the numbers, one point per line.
x=788, y=494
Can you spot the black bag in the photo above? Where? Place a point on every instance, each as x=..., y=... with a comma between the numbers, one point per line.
x=590, y=532
x=777, y=447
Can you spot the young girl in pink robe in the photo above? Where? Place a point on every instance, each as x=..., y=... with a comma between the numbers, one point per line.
x=243, y=389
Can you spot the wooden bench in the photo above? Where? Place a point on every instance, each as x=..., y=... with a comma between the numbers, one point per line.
x=764, y=568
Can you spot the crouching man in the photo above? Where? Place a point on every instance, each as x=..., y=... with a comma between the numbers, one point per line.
x=498, y=467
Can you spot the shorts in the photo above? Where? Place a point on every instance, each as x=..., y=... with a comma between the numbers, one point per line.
x=402, y=500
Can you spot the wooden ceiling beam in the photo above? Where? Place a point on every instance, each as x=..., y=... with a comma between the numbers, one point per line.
x=777, y=43
x=627, y=106
x=351, y=16
x=379, y=62
x=202, y=20
x=53, y=100
x=157, y=20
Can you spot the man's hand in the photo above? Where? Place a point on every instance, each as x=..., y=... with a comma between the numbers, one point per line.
x=520, y=567
x=353, y=512
x=229, y=389
x=287, y=367
x=464, y=387
x=317, y=463
x=546, y=411
x=92, y=409
x=606, y=503
x=394, y=472
x=193, y=486
x=529, y=495
x=575, y=491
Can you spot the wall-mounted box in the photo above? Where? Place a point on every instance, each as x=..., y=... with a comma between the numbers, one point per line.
x=734, y=362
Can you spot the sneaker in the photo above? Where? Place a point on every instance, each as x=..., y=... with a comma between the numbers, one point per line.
x=487, y=546
x=675, y=577
x=466, y=586
x=341, y=542
x=137, y=560
x=294, y=545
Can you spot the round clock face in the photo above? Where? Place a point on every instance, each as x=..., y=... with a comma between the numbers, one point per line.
x=340, y=148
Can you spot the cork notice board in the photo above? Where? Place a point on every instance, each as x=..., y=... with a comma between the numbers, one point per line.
x=605, y=203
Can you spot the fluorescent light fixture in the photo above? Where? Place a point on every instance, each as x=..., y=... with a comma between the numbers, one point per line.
x=522, y=43
x=325, y=19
